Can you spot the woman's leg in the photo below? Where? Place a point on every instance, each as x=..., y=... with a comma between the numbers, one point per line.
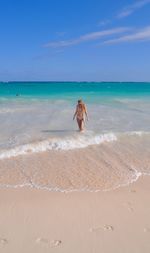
x=78, y=121
x=80, y=124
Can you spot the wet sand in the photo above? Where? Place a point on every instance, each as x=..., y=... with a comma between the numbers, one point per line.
x=97, y=167
x=41, y=221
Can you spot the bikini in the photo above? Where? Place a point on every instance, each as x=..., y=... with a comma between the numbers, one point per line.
x=80, y=114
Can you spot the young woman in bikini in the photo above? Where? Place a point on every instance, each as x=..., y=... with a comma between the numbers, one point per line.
x=80, y=113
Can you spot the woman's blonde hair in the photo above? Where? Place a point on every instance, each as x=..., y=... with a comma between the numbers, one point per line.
x=80, y=101
x=81, y=104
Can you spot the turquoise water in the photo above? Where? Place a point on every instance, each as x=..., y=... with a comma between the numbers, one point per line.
x=73, y=90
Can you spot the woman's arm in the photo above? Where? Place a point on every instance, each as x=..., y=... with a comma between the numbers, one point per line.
x=85, y=110
x=75, y=114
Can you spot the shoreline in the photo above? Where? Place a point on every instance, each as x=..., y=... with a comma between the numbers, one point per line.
x=29, y=186
x=95, y=168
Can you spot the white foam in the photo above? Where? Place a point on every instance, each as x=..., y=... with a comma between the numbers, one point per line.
x=136, y=175
x=139, y=133
x=70, y=143
x=9, y=110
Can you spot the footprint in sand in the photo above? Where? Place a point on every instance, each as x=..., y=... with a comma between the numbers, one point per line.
x=146, y=230
x=105, y=228
x=132, y=190
x=129, y=206
x=3, y=241
x=51, y=244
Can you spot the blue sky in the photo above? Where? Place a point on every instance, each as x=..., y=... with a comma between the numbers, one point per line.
x=88, y=40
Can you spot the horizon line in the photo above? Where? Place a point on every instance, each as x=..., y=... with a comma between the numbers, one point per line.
x=12, y=81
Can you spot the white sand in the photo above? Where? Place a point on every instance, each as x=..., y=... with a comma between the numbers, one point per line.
x=39, y=221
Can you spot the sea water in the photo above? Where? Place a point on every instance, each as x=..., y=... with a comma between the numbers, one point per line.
x=37, y=117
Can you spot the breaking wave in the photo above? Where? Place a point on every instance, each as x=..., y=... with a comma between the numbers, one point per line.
x=68, y=143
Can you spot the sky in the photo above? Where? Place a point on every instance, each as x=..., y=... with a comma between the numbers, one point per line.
x=82, y=40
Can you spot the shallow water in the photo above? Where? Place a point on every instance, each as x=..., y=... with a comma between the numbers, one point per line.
x=37, y=124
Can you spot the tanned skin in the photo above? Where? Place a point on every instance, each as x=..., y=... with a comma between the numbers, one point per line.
x=80, y=114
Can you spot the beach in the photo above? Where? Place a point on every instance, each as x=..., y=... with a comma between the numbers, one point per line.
x=40, y=221
x=75, y=126
x=66, y=191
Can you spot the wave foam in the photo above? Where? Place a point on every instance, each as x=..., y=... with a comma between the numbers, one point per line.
x=133, y=179
x=139, y=133
x=58, y=144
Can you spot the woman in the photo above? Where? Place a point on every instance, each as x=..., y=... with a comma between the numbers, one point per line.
x=80, y=114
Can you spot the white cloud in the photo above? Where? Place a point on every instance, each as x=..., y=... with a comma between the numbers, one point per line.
x=87, y=37
x=141, y=35
x=128, y=10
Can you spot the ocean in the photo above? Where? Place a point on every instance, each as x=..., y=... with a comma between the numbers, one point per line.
x=40, y=145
